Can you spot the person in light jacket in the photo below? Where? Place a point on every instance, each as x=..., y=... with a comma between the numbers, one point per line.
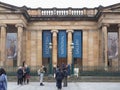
x=41, y=74
x=3, y=79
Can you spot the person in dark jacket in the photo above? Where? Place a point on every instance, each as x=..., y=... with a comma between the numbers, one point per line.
x=20, y=75
x=3, y=79
x=59, y=77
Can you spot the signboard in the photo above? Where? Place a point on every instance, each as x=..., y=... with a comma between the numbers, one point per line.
x=77, y=40
x=62, y=43
x=46, y=40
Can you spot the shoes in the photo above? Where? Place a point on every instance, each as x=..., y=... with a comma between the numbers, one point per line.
x=41, y=84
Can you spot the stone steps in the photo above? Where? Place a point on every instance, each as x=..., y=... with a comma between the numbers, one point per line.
x=73, y=79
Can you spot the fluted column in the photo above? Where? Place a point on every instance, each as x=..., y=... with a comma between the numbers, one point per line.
x=105, y=45
x=54, y=48
x=119, y=47
x=39, y=47
x=69, y=49
x=19, y=44
x=3, y=44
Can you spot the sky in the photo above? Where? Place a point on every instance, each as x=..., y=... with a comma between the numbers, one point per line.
x=60, y=3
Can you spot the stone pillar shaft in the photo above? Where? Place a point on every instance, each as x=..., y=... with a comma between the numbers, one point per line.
x=69, y=49
x=85, y=48
x=54, y=48
x=105, y=45
x=3, y=44
x=39, y=47
x=28, y=47
x=19, y=48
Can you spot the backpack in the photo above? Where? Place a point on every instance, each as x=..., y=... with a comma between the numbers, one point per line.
x=59, y=76
x=65, y=73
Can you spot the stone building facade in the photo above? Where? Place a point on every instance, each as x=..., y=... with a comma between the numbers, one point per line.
x=25, y=35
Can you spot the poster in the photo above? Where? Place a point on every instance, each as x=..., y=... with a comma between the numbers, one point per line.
x=11, y=44
x=112, y=45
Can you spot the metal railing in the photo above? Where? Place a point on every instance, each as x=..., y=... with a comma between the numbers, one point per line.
x=83, y=71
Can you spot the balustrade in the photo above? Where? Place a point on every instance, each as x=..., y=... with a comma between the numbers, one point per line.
x=66, y=12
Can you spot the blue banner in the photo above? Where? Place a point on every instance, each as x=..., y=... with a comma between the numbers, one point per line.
x=62, y=49
x=46, y=40
x=77, y=40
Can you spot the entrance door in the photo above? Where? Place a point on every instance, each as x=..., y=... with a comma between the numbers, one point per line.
x=62, y=61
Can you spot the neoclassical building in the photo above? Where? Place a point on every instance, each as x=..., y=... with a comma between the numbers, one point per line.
x=85, y=37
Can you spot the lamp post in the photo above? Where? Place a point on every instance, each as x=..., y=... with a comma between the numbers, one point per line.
x=50, y=64
x=72, y=71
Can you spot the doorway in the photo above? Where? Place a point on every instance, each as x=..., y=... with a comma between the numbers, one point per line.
x=62, y=61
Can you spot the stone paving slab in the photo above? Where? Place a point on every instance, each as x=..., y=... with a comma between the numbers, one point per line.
x=71, y=86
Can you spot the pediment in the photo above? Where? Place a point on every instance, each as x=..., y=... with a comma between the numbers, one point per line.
x=8, y=7
x=115, y=7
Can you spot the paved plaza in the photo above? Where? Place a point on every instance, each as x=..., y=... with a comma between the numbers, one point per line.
x=71, y=86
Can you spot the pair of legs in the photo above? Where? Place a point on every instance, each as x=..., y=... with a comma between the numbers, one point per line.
x=59, y=84
x=65, y=82
x=41, y=79
x=20, y=81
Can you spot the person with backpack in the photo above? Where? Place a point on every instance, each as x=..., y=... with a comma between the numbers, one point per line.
x=59, y=77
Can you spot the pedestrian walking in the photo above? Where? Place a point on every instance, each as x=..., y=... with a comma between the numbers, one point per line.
x=41, y=74
x=59, y=78
x=3, y=79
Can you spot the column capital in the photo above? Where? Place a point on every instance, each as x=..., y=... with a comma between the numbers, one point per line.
x=19, y=25
x=105, y=24
x=3, y=25
x=56, y=31
x=70, y=31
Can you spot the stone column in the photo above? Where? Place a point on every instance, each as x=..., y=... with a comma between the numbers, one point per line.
x=54, y=48
x=105, y=45
x=19, y=44
x=3, y=44
x=69, y=49
x=39, y=47
x=119, y=46
x=85, y=48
